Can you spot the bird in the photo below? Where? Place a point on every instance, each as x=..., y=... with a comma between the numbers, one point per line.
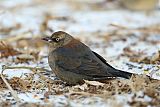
x=73, y=62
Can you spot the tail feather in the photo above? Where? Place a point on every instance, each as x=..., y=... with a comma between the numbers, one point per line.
x=122, y=74
x=113, y=71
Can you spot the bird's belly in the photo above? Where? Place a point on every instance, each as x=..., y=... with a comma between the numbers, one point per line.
x=63, y=74
x=67, y=76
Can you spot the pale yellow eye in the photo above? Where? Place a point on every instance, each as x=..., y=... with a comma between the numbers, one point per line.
x=57, y=39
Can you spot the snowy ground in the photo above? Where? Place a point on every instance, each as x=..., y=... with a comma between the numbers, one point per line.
x=128, y=40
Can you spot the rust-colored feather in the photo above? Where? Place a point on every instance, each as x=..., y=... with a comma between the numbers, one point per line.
x=72, y=44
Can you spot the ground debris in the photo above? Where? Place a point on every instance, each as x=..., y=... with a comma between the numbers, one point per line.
x=141, y=57
x=7, y=50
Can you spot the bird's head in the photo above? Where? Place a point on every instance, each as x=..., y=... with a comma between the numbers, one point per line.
x=58, y=39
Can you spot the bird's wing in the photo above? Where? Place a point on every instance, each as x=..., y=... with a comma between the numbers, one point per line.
x=113, y=70
x=87, y=64
x=102, y=59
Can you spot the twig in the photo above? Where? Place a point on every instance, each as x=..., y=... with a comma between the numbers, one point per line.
x=81, y=93
x=143, y=30
x=24, y=67
x=119, y=26
x=14, y=94
x=33, y=69
x=17, y=37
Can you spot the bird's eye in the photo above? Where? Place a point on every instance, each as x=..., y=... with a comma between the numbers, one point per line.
x=57, y=39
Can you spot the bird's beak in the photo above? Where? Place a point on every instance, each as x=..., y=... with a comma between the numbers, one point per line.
x=48, y=39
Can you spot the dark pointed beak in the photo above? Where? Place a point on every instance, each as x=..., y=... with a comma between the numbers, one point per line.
x=48, y=39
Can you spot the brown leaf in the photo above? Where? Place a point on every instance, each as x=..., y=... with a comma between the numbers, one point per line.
x=30, y=43
x=18, y=83
x=24, y=58
x=7, y=50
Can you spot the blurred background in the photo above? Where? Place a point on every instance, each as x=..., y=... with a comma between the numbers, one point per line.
x=77, y=16
x=98, y=23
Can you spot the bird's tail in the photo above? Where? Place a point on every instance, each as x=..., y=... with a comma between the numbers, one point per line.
x=123, y=74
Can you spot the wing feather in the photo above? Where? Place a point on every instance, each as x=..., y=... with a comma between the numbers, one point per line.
x=85, y=64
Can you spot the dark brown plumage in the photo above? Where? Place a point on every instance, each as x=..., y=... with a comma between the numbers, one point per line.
x=72, y=61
